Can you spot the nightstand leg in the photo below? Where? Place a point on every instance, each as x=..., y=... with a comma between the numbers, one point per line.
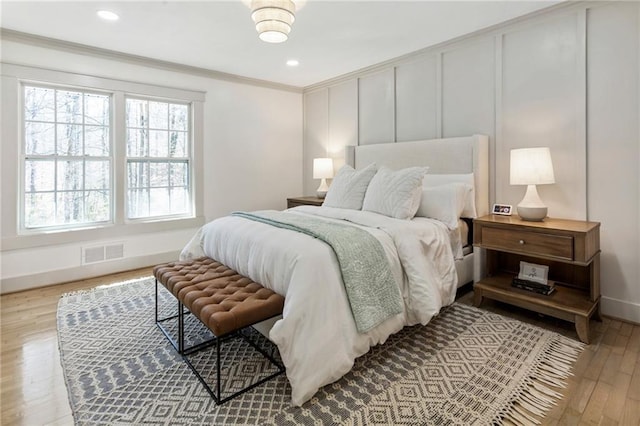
x=477, y=297
x=596, y=315
x=582, y=328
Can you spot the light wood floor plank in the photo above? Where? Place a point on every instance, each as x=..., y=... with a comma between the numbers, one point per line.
x=570, y=417
x=634, y=387
x=631, y=415
x=582, y=395
x=628, y=362
x=593, y=410
x=617, y=397
x=626, y=329
x=610, y=368
x=615, y=324
x=634, y=340
x=597, y=363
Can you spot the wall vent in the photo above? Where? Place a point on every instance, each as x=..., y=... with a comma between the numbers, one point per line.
x=114, y=251
x=95, y=254
x=92, y=254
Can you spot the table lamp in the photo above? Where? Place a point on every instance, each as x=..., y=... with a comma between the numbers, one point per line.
x=531, y=167
x=322, y=169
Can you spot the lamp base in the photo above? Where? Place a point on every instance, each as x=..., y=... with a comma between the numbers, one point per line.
x=321, y=192
x=532, y=214
x=531, y=207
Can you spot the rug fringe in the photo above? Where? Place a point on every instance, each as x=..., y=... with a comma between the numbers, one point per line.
x=536, y=396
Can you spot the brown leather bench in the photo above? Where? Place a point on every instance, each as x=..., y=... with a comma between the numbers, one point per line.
x=224, y=301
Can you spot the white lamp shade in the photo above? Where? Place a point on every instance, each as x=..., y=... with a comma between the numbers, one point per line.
x=322, y=168
x=531, y=166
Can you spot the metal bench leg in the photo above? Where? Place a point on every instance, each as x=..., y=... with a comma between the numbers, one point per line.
x=156, y=300
x=180, y=329
x=217, y=394
x=218, y=373
x=176, y=343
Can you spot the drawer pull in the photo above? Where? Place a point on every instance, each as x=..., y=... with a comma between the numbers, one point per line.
x=521, y=242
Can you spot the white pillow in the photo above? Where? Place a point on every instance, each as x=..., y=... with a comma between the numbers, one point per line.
x=395, y=194
x=469, y=210
x=349, y=187
x=444, y=203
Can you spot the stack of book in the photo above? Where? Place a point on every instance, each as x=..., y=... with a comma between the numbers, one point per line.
x=534, y=286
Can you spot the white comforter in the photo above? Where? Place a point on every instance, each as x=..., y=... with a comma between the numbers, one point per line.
x=317, y=336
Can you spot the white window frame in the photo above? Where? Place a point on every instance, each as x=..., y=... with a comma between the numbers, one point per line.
x=14, y=235
x=24, y=157
x=189, y=160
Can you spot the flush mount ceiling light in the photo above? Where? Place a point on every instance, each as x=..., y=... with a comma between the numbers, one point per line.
x=273, y=19
x=107, y=15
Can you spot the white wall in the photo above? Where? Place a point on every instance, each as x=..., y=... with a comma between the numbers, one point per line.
x=252, y=158
x=567, y=79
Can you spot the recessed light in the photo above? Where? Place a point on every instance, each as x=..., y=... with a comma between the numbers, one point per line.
x=293, y=63
x=107, y=15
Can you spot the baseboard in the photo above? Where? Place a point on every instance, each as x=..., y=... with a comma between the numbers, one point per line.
x=27, y=282
x=620, y=309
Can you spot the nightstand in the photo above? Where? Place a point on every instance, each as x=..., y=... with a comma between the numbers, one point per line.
x=304, y=201
x=571, y=250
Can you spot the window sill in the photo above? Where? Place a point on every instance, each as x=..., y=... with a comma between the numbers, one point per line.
x=116, y=231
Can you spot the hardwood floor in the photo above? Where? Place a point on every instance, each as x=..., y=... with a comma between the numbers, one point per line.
x=605, y=388
x=33, y=388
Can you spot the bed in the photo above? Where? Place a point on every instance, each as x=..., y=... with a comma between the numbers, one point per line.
x=455, y=156
x=322, y=330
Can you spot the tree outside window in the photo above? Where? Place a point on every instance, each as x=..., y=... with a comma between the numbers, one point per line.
x=158, y=159
x=67, y=157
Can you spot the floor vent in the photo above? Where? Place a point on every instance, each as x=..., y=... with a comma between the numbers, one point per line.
x=95, y=254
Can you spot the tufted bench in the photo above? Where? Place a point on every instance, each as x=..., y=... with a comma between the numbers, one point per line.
x=224, y=301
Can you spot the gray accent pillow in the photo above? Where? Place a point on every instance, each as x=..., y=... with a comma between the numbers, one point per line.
x=349, y=187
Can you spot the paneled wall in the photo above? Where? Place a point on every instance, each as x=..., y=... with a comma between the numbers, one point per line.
x=566, y=79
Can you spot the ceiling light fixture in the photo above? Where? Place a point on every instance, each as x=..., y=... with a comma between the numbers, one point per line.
x=293, y=63
x=108, y=15
x=273, y=19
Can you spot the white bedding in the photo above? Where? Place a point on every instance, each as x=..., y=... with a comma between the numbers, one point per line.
x=317, y=336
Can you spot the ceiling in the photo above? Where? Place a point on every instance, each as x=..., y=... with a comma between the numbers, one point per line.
x=328, y=38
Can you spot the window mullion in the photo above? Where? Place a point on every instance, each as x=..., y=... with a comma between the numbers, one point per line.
x=119, y=147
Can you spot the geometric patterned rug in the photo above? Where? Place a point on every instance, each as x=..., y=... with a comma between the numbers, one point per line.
x=467, y=366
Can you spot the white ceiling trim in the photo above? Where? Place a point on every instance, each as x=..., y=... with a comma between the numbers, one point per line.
x=67, y=46
x=74, y=47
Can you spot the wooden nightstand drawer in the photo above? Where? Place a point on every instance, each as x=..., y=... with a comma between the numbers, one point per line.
x=530, y=243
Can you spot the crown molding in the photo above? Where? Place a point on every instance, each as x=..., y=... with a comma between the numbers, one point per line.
x=78, y=48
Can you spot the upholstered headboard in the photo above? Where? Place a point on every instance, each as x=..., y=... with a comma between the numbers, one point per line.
x=443, y=156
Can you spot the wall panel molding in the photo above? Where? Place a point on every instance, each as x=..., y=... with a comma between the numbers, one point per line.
x=543, y=105
x=448, y=44
x=567, y=78
x=416, y=101
x=376, y=108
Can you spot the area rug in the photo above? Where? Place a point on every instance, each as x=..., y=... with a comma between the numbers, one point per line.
x=467, y=366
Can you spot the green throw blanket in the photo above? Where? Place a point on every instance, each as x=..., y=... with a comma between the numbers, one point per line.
x=371, y=289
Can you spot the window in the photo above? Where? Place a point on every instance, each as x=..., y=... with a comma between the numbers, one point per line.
x=67, y=157
x=120, y=155
x=158, y=159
